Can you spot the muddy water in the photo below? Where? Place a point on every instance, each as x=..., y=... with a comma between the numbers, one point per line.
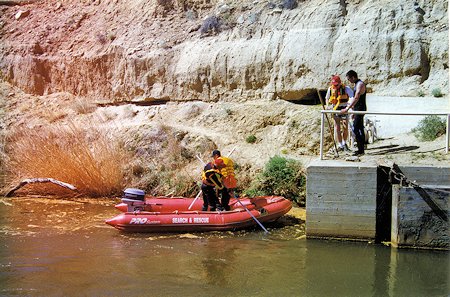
x=63, y=248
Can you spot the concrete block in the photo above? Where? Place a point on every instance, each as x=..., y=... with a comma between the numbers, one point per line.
x=414, y=223
x=341, y=200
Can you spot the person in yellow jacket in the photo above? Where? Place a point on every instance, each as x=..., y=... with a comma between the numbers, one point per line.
x=211, y=180
x=338, y=96
x=226, y=168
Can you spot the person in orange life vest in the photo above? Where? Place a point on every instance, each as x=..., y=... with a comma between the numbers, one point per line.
x=338, y=95
x=211, y=179
x=226, y=167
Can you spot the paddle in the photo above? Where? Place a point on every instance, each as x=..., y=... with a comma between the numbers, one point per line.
x=329, y=124
x=256, y=220
x=195, y=199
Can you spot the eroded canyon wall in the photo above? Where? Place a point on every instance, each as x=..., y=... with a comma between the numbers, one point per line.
x=154, y=49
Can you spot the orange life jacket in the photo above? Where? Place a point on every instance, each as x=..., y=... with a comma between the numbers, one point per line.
x=338, y=96
x=229, y=179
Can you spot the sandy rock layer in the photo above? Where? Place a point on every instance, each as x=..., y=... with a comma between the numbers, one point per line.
x=152, y=50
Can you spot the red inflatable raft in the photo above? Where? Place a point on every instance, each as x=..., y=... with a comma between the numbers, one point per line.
x=159, y=214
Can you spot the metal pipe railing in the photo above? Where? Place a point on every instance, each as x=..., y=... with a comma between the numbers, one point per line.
x=323, y=112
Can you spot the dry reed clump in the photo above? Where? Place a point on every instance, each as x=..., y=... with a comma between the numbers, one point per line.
x=82, y=105
x=160, y=162
x=88, y=158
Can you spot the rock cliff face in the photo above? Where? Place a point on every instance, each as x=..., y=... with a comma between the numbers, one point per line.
x=153, y=50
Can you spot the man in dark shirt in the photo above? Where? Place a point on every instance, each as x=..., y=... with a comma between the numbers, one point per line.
x=358, y=104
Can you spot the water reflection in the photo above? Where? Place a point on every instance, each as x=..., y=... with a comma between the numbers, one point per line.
x=218, y=263
x=65, y=249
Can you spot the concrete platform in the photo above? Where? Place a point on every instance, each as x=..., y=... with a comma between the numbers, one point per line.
x=341, y=199
x=357, y=201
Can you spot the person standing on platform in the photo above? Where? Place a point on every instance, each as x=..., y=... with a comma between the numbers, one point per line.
x=357, y=104
x=338, y=96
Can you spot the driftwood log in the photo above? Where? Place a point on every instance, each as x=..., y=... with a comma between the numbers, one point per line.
x=40, y=180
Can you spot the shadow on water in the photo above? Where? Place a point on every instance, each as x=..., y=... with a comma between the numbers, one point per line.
x=63, y=248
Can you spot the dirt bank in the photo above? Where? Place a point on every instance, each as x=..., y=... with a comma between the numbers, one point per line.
x=279, y=127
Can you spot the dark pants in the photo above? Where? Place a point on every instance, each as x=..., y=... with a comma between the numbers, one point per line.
x=358, y=129
x=209, y=197
x=225, y=198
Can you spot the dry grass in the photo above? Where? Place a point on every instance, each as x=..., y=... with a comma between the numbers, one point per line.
x=174, y=179
x=82, y=105
x=160, y=162
x=89, y=159
x=55, y=116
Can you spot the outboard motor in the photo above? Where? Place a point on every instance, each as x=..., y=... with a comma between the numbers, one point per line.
x=134, y=194
x=134, y=199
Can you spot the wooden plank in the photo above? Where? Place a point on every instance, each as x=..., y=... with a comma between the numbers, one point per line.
x=394, y=216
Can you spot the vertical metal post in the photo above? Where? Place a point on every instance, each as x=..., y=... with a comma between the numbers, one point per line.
x=322, y=120
x=448, y=133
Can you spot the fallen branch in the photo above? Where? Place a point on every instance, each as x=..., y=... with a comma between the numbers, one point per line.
x=40, y=180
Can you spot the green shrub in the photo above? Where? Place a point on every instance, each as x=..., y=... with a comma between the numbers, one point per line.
x=281, y=176
x=252, y=192
x=436, y=92
x=251, y=139
x=430, y=128
x=421, y=93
